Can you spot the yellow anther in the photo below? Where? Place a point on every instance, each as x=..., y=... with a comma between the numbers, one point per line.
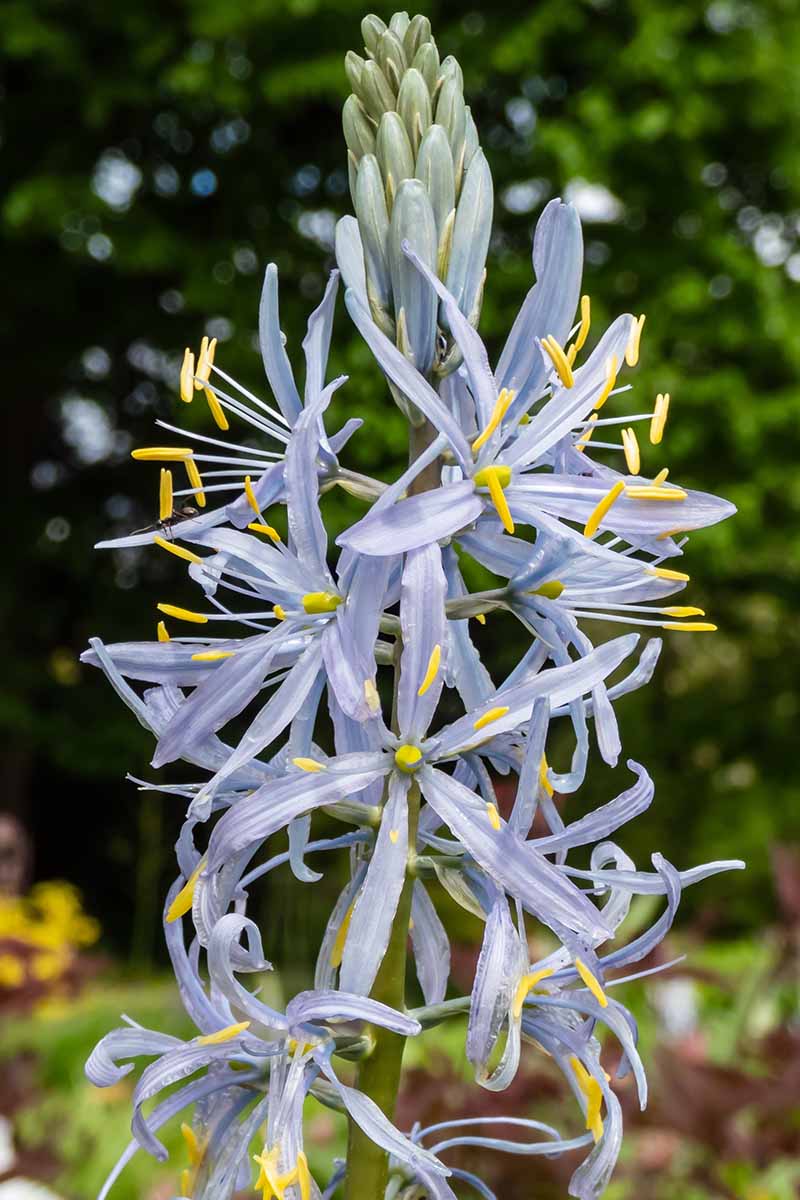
x=690, y=626
x=259, y=527
x=630, y=446
x=498, y=412
x=612, y=366
x=676, y=611
x=279, y=612
x=668, y=573
x=526, y=985
x=161, y=631
x=593, y=524
x=394, y=834
x=480, y=618
x=544, y=782
x=187, y=376
x=251, y=496
x=165, y=495
x=594, y=1097
x=193, y=1146
x=525, y=419
x=550, y=590
x=304, y=1177
x=205, y=362
x=217, y=411
x=223, y=1035
x=186, y=1182
x=178, y=551
x=183, y=901
x=196, y=482
x=495, y=479
x=337, y=950
x=494, y=714
x=592, y=982
x=659, y=418
x=632, y=348
x=308, y=764
x=432, y=670
x=586, y=321
x=668, y=533
x=660, y=477
x=211, y=655
x=408, y=757
x=586, y=436
x=162, y=453
x=321, y=602
x=655, y=493
x=182, y=614
x=494, y=816
x=371, y=696
x=559, y=360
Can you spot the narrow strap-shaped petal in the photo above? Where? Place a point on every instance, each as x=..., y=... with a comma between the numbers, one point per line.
x=350, y=258
x=527, y=797
x=273, y=806
x=309, y=538
x=549, y=306
x=516, y=865
x=501, y=964
x=316, y=343
x=373, y=915
x=335, y=1005
x=431, y=946
x=126, y=1042
x=464, y=670
x=408, y=379
x=423, y=624
x=415, y=522
x=224, y=937
x=560, y=684
x=276, y=362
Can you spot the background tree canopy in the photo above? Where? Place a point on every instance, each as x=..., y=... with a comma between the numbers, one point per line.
x=156, y=157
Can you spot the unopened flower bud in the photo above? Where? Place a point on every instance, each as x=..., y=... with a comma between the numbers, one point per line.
x=435, y=170
x=413, y=222
x=414, y=106
x=372, y=29
x=391, y=58
x=417, y=34
x=426, y=61
x=473, y=226
x=376, y=94
x=373, y=222
x=394, y=154
x=359, y=132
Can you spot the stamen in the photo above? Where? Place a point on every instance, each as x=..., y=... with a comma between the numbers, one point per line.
x=337, y=950
x=690, y=626
x=551, y=590
x=183, y=901
x=494, y=816
x=612, y=366
x=498, y=412
x=212, y=655
x=544, y=782
x=495, y=479
x=632, y=348
x=593, y=524
x=494, y=714
x=186, y=1181
x=162, y=453
x=526, y=985
x=308, y=764
x=187, y=376
x=195, y=1150
x=161, y=631
x=592, y=982
x=321, y=602
x=586, y=321
x=668, y=573
x=279, y=612
x=223, y=1035
x=594, y=1098
x=267, y=530
x=432, y=671
x=630, y=446
x=480, y=618
x=371, y=696
x=677, y=611
x=660, y=477
x=655, y=493
x=165, y=502
x=659, y=419
x=559, y=360
x=586, y=437
x=195, y=481
x=251, y=496
x=394, y=834
x=217, y=411
x=408, y=757
x=205, y=362
x=178, y=551
x=304, y=1177
x=182, y=614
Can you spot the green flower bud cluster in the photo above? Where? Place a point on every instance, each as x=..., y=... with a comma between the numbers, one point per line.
x=417, y=175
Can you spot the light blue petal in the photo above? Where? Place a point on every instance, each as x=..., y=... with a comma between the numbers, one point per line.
x=471, y=233
x=335, y=1005
x=424, y=626
x=431, y=946
x=276, y=362
x=465, y=671
x=225, y=936
x=308, y=535
x=317, y=341
x=528, y=788
x=501, y=964
x=415, y=522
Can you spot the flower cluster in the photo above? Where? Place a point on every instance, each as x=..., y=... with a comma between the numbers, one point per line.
x=504, y=474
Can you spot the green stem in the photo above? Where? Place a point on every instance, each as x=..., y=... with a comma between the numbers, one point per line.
x=379, y=1073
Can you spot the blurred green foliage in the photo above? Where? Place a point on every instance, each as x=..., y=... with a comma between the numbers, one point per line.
x=156, y=157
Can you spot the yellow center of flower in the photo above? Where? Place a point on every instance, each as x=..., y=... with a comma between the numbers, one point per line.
x=550, y=590
x=408, y=757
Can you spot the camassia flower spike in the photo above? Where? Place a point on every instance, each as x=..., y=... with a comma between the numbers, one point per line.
x=412, y=788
